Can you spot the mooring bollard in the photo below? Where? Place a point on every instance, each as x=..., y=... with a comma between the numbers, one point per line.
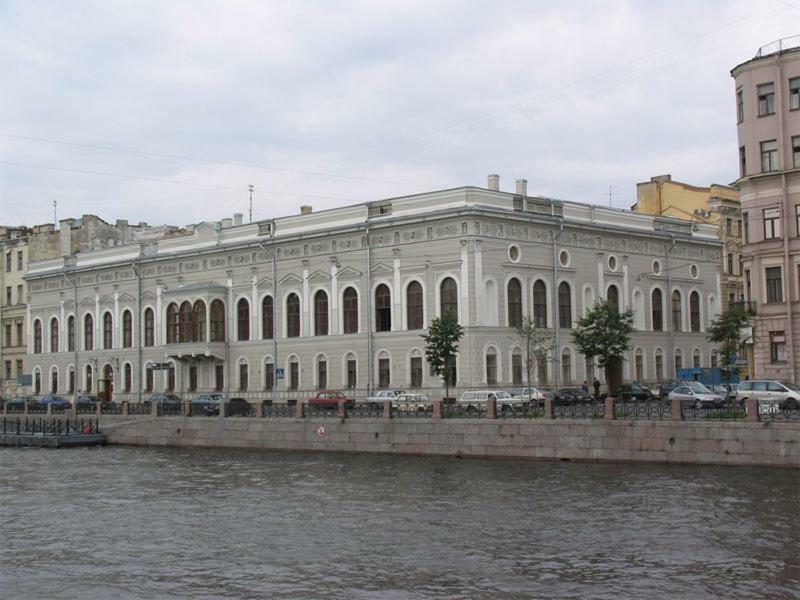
x=98, y=408
x=259, y=409
x=124, y=407
x=491, y=408
x=676, y=410
x=154, y=409
x=751, y=407
x=300, y=410
x=608, y=413
x=437, y=409
x=548, y=407
x=187, y=408
x=387, y=409
x=342, y=409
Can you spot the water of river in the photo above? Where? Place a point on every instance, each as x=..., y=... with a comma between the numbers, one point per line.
x=119, y=522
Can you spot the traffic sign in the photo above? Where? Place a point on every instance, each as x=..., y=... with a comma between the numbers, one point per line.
x=278, y=373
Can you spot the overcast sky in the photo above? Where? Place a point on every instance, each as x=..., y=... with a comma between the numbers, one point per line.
x=329, y=104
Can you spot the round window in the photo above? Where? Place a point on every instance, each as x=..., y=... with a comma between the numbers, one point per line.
x=612, y=263
x=513, y=253
x=563, y=258
x=694, y=271
x=656, y=267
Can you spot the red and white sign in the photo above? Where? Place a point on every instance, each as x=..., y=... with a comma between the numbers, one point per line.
x=320, y=431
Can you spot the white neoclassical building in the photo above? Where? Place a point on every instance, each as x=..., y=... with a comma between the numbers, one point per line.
x=339, y=298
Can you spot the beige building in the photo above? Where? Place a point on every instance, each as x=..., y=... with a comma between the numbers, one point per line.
x=13, y=309
x=717, y=205
x=767, y=95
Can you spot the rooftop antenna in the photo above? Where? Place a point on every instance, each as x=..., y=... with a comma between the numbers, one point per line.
x=610, y=193
x=55, y=213
x=251, y=201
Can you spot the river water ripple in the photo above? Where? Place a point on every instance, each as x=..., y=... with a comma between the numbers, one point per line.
x=121, y=522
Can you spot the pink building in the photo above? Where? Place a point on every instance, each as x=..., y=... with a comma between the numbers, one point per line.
x=768, y=116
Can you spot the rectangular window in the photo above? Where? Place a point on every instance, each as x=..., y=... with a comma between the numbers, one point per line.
x=738, y=228
x=219, y=377
x=8, y=295
x=269, y=376
x=416, y=371
x=739, y=105
x=148, y=380
x=777, y=346
x=639, y=362
x=772, y=223
x=193, y=378
x=796, y=151
x=19, y=260
x=294, y=376
x=769, y=156
x=8, y=335
x=794, y=93
x=8, y=369
x=541, y=369
x=243, y=377
x=383, y=373
x=745, y=227
x=20, y=341
x=659, y=367
x=322, y=374
x=730, y=263
x=728, y=226
x=8, y=262
x=774, y=284
x=516, y=369
x=566, y=368
x=352, y=377
x=20, y=295
x=748, y=297
x=742, y=162
x=766, y=99
x=71, y=383
x=491, y=369
x=797, y=218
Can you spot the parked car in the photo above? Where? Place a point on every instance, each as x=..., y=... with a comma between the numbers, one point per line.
x=666, y=387
x=478, y=398
x=694, y=393
x=572, y=395
x=376, y=400
x=329, y=399
x=237, y=407
x=86, y=401
x=724, y=389
x=632, y=391
x=162, y=399
x=529, y=393
x=207, y=404
x=780, y=394
x=54, y=401
x=18, y=402
x=412, y=402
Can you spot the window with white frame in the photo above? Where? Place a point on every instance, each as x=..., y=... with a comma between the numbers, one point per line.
x=772, y=223
x=769, y=156
x=766, y=99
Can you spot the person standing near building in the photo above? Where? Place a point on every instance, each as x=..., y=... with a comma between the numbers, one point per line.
x=596, y=389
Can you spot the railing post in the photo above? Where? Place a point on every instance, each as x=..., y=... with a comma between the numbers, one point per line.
x=676, y=409
x=387, y=409
x=187, y=408
x=259, y=409
x=154, y=409
x=342, y=409
x=491, y=408
x=300, y=410
x=437, y=409
x=25, y=407
x=98, y=408
x=124, y=407
x=548, y=407
x=752, y=410
x=608, y=413
x=223, y=408
x=49, y=409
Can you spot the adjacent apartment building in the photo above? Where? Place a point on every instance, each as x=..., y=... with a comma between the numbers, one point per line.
x=13, y=336
x=339, y=298
x=768, y=126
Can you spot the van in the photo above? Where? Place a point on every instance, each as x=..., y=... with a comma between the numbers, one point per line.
x=781, y=394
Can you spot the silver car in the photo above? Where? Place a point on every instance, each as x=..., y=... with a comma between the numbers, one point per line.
x=697, y=395
x=772, y=394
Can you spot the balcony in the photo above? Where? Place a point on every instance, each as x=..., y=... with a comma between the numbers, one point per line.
x=196, y=350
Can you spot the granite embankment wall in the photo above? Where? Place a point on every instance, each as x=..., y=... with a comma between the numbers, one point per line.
x=687, y=442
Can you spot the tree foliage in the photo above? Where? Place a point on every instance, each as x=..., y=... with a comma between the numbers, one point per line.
x=536, y=343
x=727, y=330
x=441, y=346
x=604, y=334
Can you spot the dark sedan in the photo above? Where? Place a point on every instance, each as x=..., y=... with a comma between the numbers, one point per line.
x=572, y=395
x=632, y=392
x=54, y=401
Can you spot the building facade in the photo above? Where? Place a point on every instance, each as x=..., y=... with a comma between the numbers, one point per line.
x=339, y=298
x=768, y=127
x=13, y=308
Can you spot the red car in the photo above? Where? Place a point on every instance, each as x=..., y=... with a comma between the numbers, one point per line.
x=330, y=399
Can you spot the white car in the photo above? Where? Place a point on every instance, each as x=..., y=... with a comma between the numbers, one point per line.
x=503, y=400
x=378, y=397
x=697, y=395
x=529, y=393
x=772, y=395
x=412, y=403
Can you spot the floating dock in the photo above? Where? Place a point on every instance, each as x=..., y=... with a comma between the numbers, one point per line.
x=50, y=433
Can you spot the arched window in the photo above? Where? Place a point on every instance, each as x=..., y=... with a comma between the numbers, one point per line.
x=88, y=333
x=696, y=359
x=89, y=382
x=658, y=310
x=293, y=316
x=383, y=308
x=676, y=311
x=127, y=377
x=350, y=310
x=638, y=310
x=678, y=361
x=54, y=335
x=127, y=329
x=108, y=331
x=199, y=321
x=612, y=296
x=37, y=382
x=540, y=304
x=694, y=311
x=321, y=313
x=659, y=361
x=564, y=305
x=149, y=327
x=322, y=372
x=185, y=322
x=54, y=381
x=514, y=293
x=516, y=367
x=491, y=366
x=639, y=365
x=566, y=366
x=37, y=337
x=268, y=318
x=172, y=324
x=243, y=320
x=71, y=333
x=448, y=291
x=414, y=313
x=217, y=320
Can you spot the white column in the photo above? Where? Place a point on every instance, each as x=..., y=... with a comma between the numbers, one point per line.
x=397, y=307
x=116, y=331
x=255, y=330
x=30, y=328
x=158, y=334
x=305, y=324
x=479, y=287
x=335, y=313
x=97, y=325
x=464, y=287
x=601, y=294
x=625, y=283
x=231, y=325
x=62, y=328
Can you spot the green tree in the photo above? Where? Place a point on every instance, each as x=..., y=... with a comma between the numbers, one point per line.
x=536, y=343
x=441, y=346
x=728, y=330
x=604, y=333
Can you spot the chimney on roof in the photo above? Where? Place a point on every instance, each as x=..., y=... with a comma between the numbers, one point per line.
x=493, y=182
x=306, y=209
x=65, y=236
x=661, y=178
x=522, y=187
x=237, y=218
x=225, y=223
